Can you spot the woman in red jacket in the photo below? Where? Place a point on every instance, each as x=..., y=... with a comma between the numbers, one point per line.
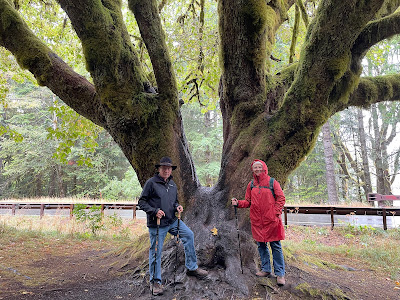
x=266, y=203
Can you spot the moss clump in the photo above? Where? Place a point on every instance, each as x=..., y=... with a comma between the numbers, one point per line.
x=337, y=66
x=260, y=20
x=258, y=15
x=306, y=289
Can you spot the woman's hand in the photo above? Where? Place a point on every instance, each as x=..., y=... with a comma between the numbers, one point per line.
x=234, y=201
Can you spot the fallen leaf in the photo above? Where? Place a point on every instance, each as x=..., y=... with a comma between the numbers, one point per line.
x=397, y=288
x=397, y=282
x=214, y=231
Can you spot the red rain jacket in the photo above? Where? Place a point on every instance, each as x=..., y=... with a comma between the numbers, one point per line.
x=265, y=210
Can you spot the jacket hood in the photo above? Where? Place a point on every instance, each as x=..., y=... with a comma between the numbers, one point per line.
x=262, y=175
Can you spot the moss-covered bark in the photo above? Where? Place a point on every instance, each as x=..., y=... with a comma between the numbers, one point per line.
x=109, y=54
x=149, y=21
x=283, y=130
x=46, y=66
x=145, y=124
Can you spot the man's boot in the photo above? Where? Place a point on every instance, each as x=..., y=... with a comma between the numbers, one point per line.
x=157, y=288
x=280, y=280
x=199, y=273
x=263, y=274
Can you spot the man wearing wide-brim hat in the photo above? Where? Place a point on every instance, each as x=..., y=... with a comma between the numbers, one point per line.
x=159, y=199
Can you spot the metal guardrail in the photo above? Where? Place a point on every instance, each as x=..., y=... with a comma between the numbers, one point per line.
x=42, y=206
x=334, y=210
x=288, y=209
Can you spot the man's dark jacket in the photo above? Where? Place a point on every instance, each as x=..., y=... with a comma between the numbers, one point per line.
x=159, y=194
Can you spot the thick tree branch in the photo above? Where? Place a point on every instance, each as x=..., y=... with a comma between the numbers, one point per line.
x=375, y=32
x=294, y=33
x=110, y=57
x=49, y=69
x=245, y=48
x=376, y=89
x=149, y=22
x=323, y=82
x=388, y=8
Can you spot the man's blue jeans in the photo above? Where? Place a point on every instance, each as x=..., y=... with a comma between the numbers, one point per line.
x=277, y=257
x=187, y=238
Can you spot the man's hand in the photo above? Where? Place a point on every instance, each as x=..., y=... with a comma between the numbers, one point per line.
x=160, y=214
x=234, y=201
x=179, y=208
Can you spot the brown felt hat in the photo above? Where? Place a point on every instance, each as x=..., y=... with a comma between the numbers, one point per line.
x=166, y=161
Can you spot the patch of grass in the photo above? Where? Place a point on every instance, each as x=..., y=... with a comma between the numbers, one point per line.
x=375, y=248
x=62, y=225
x=319, y=262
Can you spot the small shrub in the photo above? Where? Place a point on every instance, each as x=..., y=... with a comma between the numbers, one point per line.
x=91, y=217
x=115, y=220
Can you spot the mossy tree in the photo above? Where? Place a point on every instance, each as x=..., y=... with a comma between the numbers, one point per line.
x=274, y=117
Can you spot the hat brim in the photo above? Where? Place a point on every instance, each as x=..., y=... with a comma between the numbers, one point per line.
x=167, y=165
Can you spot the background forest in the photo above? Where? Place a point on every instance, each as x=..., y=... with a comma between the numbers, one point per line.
x=46, y=149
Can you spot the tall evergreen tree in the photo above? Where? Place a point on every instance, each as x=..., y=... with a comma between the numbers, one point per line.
x=329, y=163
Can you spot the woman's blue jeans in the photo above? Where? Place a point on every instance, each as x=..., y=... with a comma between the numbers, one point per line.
x=277, y=257
x=187, y=238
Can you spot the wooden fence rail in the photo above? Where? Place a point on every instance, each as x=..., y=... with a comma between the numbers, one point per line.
x=288, y=209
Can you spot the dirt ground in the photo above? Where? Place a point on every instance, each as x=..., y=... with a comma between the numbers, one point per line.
x=63, y=269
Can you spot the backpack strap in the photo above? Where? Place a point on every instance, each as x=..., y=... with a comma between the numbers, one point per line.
x=270, y=187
